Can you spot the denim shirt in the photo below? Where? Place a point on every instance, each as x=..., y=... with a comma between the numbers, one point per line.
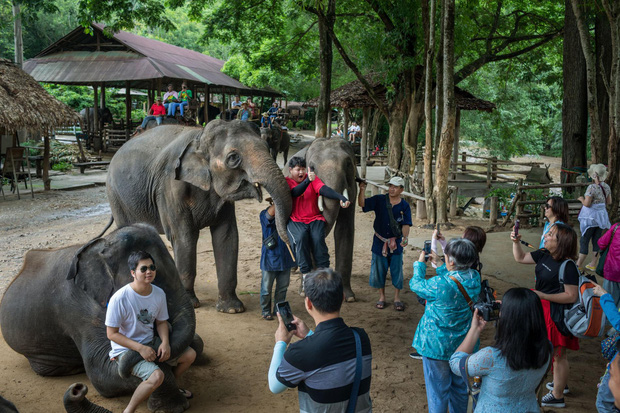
x=279, y=258
x=447, y=316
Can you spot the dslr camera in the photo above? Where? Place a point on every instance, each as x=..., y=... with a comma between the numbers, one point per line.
x=486, y=305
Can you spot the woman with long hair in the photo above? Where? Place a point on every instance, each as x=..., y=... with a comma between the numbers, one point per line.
x=560, y=246
x=512, y=368
x=556, y=211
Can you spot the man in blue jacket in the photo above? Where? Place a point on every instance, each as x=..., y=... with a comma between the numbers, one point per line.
x=275, y=263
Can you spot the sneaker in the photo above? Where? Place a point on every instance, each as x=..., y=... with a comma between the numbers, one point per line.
x=415, y=355
x=549, y=400
x=550, y=387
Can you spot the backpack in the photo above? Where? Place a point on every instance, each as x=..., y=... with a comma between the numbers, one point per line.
x=585, y=318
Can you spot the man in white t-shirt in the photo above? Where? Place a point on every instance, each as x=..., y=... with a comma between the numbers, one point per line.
x=133, y=312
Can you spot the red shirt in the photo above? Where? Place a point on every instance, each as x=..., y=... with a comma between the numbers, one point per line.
x=158, y=110
x=306, y=206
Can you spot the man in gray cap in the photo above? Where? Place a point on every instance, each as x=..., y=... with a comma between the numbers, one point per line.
x=392, y=223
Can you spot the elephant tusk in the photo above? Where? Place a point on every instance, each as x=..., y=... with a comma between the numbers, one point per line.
x=321, y=203
x=256, y=184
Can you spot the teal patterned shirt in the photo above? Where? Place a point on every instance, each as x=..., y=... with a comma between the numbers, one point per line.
x=447, y=316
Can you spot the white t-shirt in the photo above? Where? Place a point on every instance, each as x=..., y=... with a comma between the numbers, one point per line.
x=134, y=315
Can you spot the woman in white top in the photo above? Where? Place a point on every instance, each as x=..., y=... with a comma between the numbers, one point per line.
x=593, y=218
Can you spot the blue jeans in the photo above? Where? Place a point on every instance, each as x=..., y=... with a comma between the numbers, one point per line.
x=604, y=398
x=282, y=279
x=379, y=267
x=150, y=117
x=182, y=107
x=443, y=388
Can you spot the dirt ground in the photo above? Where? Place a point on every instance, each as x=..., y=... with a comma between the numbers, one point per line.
x=239, y=347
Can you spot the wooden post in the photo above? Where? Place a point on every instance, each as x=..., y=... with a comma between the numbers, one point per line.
x=454, y=201
x=420, y=210
x=102, y=95
x=96, y=136
x=464, y=160
x=493, y=210
x=489, y=174
x=494, y=168
x=345, y=127
x=46, y=163
x=207, y=103
x=127, y=109
x=364, y=145
x=455, y=150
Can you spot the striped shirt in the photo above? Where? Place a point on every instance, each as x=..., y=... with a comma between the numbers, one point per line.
x=322, y=366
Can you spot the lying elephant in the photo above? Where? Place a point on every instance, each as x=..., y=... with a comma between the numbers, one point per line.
x=278, y=140
x=53, y=312
x=334, y=162
x=75, y=400
x=181, y=180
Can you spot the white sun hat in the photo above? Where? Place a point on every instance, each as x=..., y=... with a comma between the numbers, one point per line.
x=598, y=169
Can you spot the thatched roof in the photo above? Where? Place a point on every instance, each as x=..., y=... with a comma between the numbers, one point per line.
x=26, y=105
x=354, y=95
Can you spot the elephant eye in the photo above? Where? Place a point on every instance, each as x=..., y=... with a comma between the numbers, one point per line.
x=233, y=160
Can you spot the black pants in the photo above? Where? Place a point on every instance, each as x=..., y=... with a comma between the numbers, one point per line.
x=592, y=233
x=309, y=240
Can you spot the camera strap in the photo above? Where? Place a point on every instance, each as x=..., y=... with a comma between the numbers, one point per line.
x=358, y=373
x=470, y=303
x=394, y=226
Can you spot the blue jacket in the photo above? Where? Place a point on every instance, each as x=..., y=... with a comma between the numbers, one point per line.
x=447, y=316
x=277, y=259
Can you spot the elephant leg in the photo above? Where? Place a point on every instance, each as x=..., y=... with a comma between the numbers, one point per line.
x=274, y=154
x=285, y=155
x=344, y=233
x=225, y=238
x=184, y=239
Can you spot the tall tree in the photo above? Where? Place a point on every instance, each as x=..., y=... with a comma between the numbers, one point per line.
x=429, y=39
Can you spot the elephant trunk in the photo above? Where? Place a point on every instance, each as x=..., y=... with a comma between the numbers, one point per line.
x=270, y=176
x=75, y=400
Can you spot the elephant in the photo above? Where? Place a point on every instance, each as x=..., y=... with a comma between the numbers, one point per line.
x=104, y=116
x=334, y=162
x=7, y=407
x=181, y=180
x=75, y=400
x=53, y=312
x=278, y=140
x=213, y=112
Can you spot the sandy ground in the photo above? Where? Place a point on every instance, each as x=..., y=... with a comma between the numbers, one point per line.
x=239, y=347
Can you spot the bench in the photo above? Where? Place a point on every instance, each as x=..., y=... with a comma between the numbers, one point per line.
x=84, y=165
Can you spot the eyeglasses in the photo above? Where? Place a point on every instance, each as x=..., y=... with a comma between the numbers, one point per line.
x=546, y=206
x=144, y=268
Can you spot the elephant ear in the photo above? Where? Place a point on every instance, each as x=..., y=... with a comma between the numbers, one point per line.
x=193, y=166
x=90, y=271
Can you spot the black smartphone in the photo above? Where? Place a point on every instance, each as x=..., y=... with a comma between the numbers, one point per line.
x=516, y=227
x=287, y=315
x=427, y=249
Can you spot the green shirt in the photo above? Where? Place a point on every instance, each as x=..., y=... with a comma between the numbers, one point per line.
x=185, y=96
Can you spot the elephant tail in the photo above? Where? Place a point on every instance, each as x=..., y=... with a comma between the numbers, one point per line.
x=75, y=400
x=107, y=227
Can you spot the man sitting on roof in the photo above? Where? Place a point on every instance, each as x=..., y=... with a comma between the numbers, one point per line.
x=156, y=112
x=170, y=97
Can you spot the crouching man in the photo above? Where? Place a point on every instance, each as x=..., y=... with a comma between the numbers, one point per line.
x=331, y=367
x=132, y=313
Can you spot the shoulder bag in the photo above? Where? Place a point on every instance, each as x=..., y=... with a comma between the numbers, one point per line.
x=358, y=373
x=601, y=261
x=472, y=393
x=394, y=227
x=470, y=303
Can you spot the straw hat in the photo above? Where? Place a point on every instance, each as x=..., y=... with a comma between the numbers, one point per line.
x=265, y=113
x=598, y=169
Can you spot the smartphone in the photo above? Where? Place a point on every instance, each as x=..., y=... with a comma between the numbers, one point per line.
x=287, y=315
x=516, y=227
x=438, y=231
x=427, y=249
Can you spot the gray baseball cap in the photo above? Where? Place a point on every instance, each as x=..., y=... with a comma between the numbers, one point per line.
x=397, y=181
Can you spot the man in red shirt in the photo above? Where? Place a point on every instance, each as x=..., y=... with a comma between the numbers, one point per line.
x=157, y=112
x=306, y=228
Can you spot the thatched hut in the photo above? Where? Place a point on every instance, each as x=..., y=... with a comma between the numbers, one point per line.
x=26, y=105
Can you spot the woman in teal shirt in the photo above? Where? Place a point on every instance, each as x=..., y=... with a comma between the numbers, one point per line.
x=445, y=322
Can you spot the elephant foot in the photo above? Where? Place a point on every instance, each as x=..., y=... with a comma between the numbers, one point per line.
x=349, y=296
x=192, y=296
x=230, y=306
x=75, y=400
x=167, y=398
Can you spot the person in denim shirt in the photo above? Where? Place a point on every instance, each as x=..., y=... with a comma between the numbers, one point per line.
x=445, y=322
x=275, y=264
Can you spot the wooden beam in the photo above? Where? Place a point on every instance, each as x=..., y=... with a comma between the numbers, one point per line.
x=127, y=109
x=96, y=136
x=207, y=102
x=46, y=163
x=364, y=145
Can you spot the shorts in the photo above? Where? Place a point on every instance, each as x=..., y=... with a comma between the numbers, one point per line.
x=143, y=369
x=592, y=234
x=379, y=266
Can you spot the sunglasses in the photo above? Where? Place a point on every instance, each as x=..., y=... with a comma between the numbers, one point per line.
x=144, y=268
x=546, y=206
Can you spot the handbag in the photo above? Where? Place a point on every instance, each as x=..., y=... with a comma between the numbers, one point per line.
x=601, y=261
x=271, y=241
x=608, y=346
x=358, y=373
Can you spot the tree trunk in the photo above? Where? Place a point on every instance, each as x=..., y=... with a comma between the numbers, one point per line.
x=604, y=52
x=364, y=145
x=590, y=59
x=326, y=57
x=574, y=109
x=439, y=85
x=395, y=140
x=17, y=33
x=428, y=82
x=449, y=115
x=415, y=118
x=374, y=128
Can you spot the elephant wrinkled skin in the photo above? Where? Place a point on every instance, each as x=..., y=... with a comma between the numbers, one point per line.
x=53, y=312
x=181, y=180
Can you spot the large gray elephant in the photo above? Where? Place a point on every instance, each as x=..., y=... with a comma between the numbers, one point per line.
x=334, y=162
x=53, y=312
x=181, y=180
x=278, y=140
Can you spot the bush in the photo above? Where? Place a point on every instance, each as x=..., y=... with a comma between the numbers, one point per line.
x=302, y=124
x=289, y=124
x=62, y=166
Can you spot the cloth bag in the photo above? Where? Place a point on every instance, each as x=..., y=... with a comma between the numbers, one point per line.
x=601, y=261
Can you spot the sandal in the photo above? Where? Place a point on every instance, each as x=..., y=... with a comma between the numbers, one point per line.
x=380, y=305
x=267, y=317
x=399, y=306
x=188, y=394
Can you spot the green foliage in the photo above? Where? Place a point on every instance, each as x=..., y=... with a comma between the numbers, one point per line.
x=302, y=124
x=62, y=166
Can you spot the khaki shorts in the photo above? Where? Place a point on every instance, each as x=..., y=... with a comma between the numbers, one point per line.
x=143, y=369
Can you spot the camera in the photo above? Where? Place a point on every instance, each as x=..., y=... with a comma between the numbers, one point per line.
x=487, y=307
